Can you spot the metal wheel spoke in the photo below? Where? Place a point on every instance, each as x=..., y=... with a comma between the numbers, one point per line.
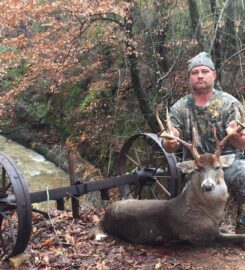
x=135, y=162
x=3, y=245
x=144, y=154
x=153, y=193
x=163, y=188
x=3, y=177
x=15, y=205
x=11, y=225
x=137, y=156
x=131, y=191
x=7, y=207
x=4, y=189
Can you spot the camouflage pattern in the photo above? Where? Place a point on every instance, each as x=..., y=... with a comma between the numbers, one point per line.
x=202, y=59
x=218, y=113
x=235, y=178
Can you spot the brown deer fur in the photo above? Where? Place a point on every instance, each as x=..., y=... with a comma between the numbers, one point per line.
x=194, y=215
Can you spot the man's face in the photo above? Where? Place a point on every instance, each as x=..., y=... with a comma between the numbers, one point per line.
x=201, y=77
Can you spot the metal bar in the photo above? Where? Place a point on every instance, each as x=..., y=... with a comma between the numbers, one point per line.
x=82, y=188
x=86, y=187
x=74, y=200
x=60, y=204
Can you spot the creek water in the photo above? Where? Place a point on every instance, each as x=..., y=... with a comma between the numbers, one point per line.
x=39, y=173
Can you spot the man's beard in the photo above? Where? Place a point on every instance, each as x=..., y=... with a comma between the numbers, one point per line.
x=203, y=90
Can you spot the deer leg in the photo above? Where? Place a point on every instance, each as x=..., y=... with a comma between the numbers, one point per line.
x=99, y=232
x=241, y=216
x=235, y=179
x=223, y=230
x=231, y=238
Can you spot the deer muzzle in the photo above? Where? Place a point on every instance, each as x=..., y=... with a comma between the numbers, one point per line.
x=208, y=186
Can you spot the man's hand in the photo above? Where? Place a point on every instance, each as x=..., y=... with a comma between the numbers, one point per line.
x=172, y=145
x=232, y=126
x=238, y=138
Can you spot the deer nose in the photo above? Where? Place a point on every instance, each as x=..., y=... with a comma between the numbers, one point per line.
x=208, y=186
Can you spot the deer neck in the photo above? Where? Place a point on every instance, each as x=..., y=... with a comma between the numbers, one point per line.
x=212, y=205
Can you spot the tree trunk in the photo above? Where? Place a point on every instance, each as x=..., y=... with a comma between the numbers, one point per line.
x=161, y=24
x=217, y=46
x=195, y=22
x=229, y=33
x=146, y=110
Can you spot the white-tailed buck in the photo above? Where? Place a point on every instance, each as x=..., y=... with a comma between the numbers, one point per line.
x=194, y=215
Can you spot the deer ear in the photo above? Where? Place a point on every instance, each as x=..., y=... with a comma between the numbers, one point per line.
x=226, y=160
x=186, y=166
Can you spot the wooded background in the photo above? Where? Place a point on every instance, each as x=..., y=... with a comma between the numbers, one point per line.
x=90, y=73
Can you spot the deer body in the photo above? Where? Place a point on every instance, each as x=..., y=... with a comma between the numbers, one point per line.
x=195, y=215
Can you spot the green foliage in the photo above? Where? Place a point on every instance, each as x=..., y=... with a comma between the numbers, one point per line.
x=36, y=27
x=102, y=95
x=72, y=99
x=14, y=75
x=5, y=49
x=41, y=111
x=43, y=2
x=120, y=61
x=88, y=100
x=179, y=24
x=64, y=105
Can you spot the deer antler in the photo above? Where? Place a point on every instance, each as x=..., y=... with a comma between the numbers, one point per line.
x=170, y=136
x=242, y=118
x=241, y=125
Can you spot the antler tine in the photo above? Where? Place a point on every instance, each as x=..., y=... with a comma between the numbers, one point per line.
x=169, y=124
x=242, y=112
x=193, y=149
x=221, y=144
x=162, y=129
x=169, y=135
x=241, y=125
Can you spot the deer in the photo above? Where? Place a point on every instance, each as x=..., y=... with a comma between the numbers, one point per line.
x=194, y=216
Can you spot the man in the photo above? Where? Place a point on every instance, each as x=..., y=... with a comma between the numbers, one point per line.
x=204, y=108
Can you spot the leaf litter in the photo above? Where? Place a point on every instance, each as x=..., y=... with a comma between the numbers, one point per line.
x=66, y=243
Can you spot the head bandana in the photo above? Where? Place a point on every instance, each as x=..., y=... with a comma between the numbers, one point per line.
x=202, y=59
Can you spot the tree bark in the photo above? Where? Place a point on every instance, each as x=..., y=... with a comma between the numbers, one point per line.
x=217, y=46
x=229, y=34
x=195, y=22
x=146, y=110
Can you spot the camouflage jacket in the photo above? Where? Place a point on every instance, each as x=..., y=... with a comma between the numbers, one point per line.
x=219, y=112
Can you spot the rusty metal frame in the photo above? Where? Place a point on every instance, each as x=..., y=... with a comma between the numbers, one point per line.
x=17, y=198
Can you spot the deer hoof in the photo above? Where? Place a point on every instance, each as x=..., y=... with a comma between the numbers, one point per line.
x=242, y=245
x=100, y=237
x=224, y=230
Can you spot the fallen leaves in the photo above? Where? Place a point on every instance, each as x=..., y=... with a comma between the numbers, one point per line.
x=66, y=244
x=46, y=242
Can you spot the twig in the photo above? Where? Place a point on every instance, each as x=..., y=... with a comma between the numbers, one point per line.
x=228, y=60
x=166, y=74
x=49, y=217
x=217, y=25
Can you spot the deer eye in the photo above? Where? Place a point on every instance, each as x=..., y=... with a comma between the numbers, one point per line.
x=217, y=168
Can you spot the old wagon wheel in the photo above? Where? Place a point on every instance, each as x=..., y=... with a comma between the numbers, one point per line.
x=143, y=153
x=15, y=209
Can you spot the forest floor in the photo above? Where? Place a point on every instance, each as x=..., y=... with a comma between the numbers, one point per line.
x=61, y=242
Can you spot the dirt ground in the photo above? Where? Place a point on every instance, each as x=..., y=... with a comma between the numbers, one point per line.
x=211, y=258
x=61, y=242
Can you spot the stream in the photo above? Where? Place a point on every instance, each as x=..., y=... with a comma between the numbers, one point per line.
x=39, y=173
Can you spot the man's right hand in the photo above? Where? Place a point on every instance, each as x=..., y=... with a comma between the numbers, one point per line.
x=171, y=145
